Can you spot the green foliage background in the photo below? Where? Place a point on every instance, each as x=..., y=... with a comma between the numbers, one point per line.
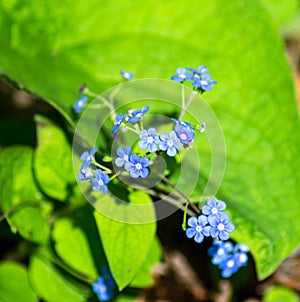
x=50, y=48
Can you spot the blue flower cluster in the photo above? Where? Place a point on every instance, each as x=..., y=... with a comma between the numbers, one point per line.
x=137, y=166
x=227, y=257
x=105, y=286
x=201, y=80
x=97, y=177
x=213, y=222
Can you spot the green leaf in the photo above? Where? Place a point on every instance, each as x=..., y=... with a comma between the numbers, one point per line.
x=143, y=277
x=254, y=100
x=14, y=285
x=53, y=160
x=51, y=285
x=77, y=242
x=280, y=294
x=281, y=10
x=126, y=245
x=19, y=196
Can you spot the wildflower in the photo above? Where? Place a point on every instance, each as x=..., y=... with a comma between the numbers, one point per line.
x=119, y=120
x=204, y=83
x=100, y=181
x=241, y=250
x=79, y=104
x=198, y=228
x=228, y=258
x=127, y=75
x=181, y=75
x=185, y=134
x=220, y=226
x=220, y=251
x=88, y=157
x=85, y=172
x=213, y=207
x=137, y=166
x=149, y=140
x=105, y=286
x=202, y=69
x=123, y=156
x=169, y=142
x=136, y=115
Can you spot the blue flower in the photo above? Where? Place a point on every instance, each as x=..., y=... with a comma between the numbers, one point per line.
x=181, y=75
x=137, y=166
x=229, y=266
x=136, y=115
x=85, y=172
x=119, y=120
x=127, y=75
x=202, y=69
x=100, y=181
x=169, y=142
x=220, y=251
x=204, y=83
x=123, y=156
x=220, y=226
x=198, y=228
x=240, y=251
x=105, y=286
x=185, y=134
x=213, y=207
x=149, y=140
x=79, y=104
x=88, y=156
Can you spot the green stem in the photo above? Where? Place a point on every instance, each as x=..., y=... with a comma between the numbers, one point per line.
x=187, y=105
x=184, y=216
x=102, y=167
x=104, y=101
x=181, y=194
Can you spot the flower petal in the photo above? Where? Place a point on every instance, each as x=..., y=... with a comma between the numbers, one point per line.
x=192, y=222
x=190, y=232
x=198, y=237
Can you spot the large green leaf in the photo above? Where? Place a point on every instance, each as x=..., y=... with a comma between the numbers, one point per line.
x=126, y=245
x=53, y=160
x=19, y=196
x=14, y=285
x=51, y=285
x=254, y=100
x=77, y=242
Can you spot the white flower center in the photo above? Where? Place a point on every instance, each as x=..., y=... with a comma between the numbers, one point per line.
x=183, y=136
x=221, y=227
x=170, y=143
x=198, y=228
x=243, y=258
x=182, y=76
x=150, y=140
x=138, y=166
x=214, y=210
x=126, y=157
x=230, y=263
